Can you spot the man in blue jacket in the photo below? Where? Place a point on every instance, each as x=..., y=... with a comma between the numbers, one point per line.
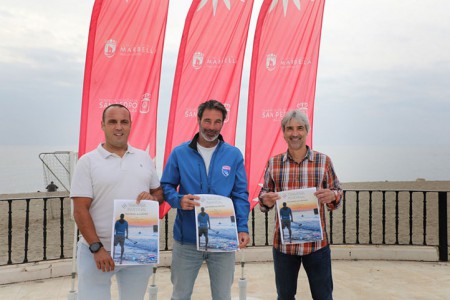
x=204, y=165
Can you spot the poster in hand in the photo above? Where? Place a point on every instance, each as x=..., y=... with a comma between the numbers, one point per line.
x=135, y=232
x=299, y=216
x=215, y=222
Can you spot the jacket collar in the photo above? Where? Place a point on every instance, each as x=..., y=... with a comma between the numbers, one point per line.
x=193, y=143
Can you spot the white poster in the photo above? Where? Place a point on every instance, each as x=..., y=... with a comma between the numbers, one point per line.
x=135, y=232
x=299, y=216
x=215, y=222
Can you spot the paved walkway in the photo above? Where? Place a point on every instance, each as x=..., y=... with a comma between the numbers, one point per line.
x=363, y=279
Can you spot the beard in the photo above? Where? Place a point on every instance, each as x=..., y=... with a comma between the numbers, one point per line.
x=207, y=137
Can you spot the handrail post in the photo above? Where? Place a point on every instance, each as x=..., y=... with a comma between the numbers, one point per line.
x=266, y=227
x=10, y=232
x=443, y=237
x=166, y=232
x=253, y=228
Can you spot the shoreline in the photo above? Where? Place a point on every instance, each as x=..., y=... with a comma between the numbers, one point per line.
x=418, y=184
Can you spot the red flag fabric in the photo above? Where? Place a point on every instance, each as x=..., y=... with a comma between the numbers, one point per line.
x=209, y=66
x=123, y=65
x=282, y=77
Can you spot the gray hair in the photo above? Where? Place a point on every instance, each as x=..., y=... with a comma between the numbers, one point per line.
x=297, y=115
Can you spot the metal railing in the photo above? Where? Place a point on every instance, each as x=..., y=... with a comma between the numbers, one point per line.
x=40, y=228
x=392, y=217
x=37, y=225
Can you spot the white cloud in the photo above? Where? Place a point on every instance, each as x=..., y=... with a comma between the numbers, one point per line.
x=385, y=34
x=382, y=79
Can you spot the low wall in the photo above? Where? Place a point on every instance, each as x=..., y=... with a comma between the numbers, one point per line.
x=58, y=268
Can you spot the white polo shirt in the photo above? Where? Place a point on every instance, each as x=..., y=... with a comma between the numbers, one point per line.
x=105, y=176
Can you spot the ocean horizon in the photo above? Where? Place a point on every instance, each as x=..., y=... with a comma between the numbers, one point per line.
x=22, y=171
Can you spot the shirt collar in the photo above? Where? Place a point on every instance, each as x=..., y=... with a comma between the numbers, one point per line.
x=105, y=153
x=308, y=156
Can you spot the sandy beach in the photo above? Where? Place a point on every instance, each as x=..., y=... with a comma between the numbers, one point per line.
x=53, y=237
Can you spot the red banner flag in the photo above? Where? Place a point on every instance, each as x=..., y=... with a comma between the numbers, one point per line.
x=209, y=66
x=123, y=65
x=282, y=77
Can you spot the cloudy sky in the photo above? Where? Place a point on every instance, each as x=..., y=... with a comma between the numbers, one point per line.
x=383, y=89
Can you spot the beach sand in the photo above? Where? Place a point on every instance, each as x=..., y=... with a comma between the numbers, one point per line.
x=53, y=251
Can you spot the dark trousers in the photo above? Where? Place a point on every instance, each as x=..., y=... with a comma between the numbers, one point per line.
x=318, y=269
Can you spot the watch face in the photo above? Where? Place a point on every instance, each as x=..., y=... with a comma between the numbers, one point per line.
x=95, y=247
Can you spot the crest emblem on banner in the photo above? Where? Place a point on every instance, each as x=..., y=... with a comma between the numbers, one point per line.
x=271, y=61
x=226, y=170
x=197, y=60
x=303, y=106
x=110, y=48
x=145, y=104
x=228, y=108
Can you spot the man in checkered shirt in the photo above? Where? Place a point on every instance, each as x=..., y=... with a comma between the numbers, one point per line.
x=300, y=167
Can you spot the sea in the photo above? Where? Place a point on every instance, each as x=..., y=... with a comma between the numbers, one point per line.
x=21, y=170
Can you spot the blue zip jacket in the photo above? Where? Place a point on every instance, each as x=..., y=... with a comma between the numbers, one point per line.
x=186, y=170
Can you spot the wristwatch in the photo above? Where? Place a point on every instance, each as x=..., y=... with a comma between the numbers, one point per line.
x=95, y=247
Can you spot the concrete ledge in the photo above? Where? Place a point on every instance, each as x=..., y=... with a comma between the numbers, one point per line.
x=358, y=252
x=35, y=271
x=385, y=252
x=59, y=268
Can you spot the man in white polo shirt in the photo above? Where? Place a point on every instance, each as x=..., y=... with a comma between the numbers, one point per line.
x=115, y=170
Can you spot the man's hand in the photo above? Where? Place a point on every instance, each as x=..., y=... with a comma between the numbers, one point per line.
x=144, y=196
x=154, y=194
x=325, y=196
x=243, y=238
x=104, y=261
x=269, y=199
x=188, y=202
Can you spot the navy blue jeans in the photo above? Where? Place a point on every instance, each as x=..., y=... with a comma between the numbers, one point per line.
x=318, y=269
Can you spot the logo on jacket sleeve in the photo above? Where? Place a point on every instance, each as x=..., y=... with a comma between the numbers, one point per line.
x=226, y=170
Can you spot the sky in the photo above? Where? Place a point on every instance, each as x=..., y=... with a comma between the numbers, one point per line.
x=382, y=94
